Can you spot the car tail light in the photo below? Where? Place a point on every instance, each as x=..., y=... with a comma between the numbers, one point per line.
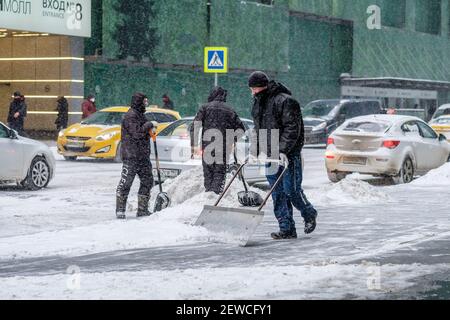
x=391, y=144
x=330, y=141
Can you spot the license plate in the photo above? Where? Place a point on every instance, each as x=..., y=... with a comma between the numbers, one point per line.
x=75, y=144
x=168, y=173
x=355, y=160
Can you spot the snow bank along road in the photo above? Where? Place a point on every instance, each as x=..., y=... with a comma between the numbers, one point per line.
x=371, y=240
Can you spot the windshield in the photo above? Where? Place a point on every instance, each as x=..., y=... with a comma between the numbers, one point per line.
x=367, y=126
x=442, y=112
x=442, y=121
x=320, y=109
x=105, y=118
x=178, y=129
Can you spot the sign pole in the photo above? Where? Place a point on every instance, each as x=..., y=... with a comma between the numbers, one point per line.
x=216, y=79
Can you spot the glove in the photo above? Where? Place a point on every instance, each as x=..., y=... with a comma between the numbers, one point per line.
x=284, y=160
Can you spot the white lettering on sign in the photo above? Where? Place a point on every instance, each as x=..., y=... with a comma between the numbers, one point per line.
x=369, y=92
x=374, y=21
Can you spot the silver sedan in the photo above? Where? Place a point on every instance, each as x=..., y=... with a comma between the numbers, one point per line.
x=24, y=161
x=398, y=147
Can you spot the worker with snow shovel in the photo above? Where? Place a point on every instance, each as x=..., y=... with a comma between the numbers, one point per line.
x=275, y=112
x=217, y=119
x=135, y=152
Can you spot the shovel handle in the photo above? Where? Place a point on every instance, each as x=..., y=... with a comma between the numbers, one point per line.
x=229, y=184
x=153, y=136
x=273, y=188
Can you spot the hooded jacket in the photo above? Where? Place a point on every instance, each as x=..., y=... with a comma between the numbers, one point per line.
x=88, y=107
x=135, y=142
x=17, y=105
x=215, y=114
x=275, y=108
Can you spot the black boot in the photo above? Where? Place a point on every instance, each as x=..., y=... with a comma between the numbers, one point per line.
x=310, y=225
x=121, y=205
x=143, y=206
x=282, y=235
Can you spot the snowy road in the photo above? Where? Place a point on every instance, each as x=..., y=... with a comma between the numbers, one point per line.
x=371, y=241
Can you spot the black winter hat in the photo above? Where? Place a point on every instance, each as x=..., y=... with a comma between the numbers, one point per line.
x=17, y=94
x=258, y=79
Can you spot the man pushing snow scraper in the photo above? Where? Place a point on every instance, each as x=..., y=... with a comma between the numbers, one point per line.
x=275, y=114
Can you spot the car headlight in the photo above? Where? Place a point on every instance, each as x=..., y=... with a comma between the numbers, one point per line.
x=61, y=133
x=105, y=136
x=320, y=127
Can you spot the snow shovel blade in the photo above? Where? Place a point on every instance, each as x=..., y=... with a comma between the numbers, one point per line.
x=250, y=199
x=239, y=224
x=162, y=202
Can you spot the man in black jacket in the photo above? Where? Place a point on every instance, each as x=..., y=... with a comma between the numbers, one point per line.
x=277, y=113
x=135, y=148
x=17, y=113
x=63, y=113
x=216, y=118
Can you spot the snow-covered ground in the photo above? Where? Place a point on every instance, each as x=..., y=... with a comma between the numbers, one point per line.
x=72, y=224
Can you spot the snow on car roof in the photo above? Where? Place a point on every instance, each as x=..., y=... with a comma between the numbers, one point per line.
x=444, y=106
x=384, y=118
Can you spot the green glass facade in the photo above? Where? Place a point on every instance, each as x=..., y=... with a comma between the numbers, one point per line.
x=305, y=43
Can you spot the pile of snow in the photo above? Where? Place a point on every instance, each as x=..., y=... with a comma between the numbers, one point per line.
x=350, y=191
x=436, y=177
x=172, y=226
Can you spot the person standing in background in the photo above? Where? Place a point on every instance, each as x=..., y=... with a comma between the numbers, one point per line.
x=88, y=107
x=167, y=103
x=17, y=113
x=63, y=113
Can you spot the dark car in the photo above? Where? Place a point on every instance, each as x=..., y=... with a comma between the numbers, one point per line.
x=322, y=117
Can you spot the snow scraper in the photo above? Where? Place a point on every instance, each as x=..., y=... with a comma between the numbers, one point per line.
x=162, y=199
x=238, y=224
x=247, y=198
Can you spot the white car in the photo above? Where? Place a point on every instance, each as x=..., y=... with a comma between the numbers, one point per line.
x=27, y=162
x=393, y=146
x=174, y=150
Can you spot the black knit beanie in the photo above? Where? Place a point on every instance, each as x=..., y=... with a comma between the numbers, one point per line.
x=258, y=79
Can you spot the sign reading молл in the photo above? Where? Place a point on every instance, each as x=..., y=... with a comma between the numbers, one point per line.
x=64, y=17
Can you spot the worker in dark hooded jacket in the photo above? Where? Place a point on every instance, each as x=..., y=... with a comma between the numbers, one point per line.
x=276, y=112
x=135, y=152
x=215, y=118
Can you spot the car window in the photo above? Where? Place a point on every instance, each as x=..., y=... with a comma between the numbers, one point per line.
x=351, y=110
x=427, y=132
x=411, y=128
x=367, y=126
x=163, y=117
x=105, y=118
x=441, y=121
x=177, y=129
x=3, y=132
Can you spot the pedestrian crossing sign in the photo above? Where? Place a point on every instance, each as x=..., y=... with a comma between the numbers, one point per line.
x=216, y=60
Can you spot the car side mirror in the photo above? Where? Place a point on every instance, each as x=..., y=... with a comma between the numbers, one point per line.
x=13, y=134
x=442, y=137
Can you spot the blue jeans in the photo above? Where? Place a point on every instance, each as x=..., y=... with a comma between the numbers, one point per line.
x=289, y=194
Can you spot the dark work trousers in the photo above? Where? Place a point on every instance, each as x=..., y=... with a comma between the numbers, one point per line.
x=289, y=194
x=214, y=177
x=143, y=169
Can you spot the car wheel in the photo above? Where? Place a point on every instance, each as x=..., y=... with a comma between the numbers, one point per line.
x=118, y=157
x=335, y=177
x=406, y=174
x=38, y=175
x=70, y=158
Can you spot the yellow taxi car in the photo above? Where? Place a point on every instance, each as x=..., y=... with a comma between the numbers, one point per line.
x=99, y=135
x=442, y=125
